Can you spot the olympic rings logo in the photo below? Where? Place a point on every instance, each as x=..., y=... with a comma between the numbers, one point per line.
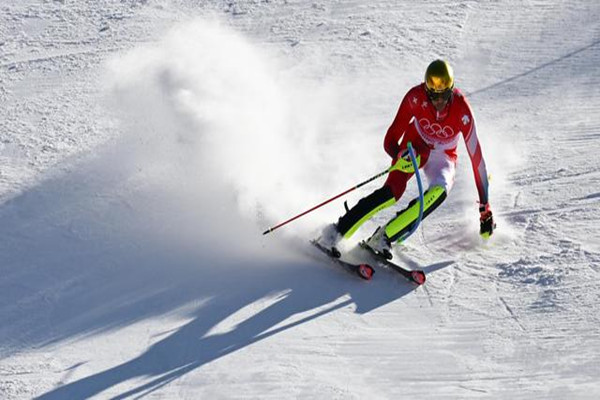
x=435, y=130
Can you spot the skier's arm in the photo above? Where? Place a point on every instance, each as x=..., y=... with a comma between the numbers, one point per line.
x=476, y=155
x=486, y=219
x=398, y=127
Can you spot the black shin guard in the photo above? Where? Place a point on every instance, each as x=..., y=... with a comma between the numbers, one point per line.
x=365, y=209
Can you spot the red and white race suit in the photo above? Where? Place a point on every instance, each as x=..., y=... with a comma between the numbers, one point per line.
x=435, y=136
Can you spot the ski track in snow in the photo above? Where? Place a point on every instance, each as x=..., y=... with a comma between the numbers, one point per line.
x=137, y=172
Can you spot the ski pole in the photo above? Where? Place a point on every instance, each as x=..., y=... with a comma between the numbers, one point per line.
x=415, y=164
x=328, y=201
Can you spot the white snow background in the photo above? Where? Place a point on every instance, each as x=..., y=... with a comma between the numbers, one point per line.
x=146, y=145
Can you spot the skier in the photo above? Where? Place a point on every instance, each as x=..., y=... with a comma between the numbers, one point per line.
x=432, y=116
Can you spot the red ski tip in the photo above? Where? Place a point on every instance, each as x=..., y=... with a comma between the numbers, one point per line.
x=418, y=277
x=365, y=271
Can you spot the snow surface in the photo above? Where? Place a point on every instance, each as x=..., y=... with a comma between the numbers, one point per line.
x=146, y=144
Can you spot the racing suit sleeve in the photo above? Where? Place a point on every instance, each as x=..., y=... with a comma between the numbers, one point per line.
x=398, y=127
x=476, y=155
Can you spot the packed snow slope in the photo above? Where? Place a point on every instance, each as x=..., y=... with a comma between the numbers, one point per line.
x=145, y=146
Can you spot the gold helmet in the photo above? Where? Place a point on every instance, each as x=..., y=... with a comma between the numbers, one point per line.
x=439, y=77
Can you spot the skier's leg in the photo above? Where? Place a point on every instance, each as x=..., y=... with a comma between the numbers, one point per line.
x=397, y=181
x=366, y=208
x=382, y=239
x=440, y=171
x=404, y=220
x=379, y=200
x=349, y=223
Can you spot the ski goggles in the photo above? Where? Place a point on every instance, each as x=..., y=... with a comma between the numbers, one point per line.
x=445, y=95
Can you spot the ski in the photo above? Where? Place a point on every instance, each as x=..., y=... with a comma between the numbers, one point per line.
x=365, y=271
x=415, y=276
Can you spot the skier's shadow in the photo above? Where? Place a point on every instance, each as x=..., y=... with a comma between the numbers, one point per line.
x=313, y=291
x=78, y=258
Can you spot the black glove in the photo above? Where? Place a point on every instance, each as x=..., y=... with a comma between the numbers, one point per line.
x=486, y=221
